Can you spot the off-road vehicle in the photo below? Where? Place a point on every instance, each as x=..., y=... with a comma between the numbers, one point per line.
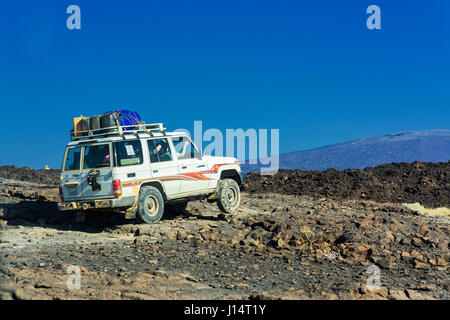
x=141, y=170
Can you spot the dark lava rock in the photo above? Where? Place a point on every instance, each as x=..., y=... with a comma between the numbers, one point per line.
x=427, y=183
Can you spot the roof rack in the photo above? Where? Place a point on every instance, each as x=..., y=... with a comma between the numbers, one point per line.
x=117, y=131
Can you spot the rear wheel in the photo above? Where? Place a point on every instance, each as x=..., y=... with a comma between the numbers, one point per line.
x=228, y=196
x=150, y=205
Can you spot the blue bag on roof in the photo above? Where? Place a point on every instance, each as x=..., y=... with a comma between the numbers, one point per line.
x=127, y=118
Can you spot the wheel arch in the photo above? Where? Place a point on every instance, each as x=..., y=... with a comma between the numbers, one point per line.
x=156, y=184
x=230, y=174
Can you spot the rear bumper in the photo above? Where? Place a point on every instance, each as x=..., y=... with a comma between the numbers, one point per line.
x=96, y=204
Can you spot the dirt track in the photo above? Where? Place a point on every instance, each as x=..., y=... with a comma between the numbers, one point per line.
x=277, y=247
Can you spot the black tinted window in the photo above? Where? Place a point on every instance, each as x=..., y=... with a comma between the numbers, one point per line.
x=128, y=153
x=96, y=157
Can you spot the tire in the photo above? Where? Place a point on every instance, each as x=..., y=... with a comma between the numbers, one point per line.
x=178, y=208
x=150, y=205
x=228, y=196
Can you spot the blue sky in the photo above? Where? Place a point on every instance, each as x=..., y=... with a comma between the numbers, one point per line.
x=309, y=68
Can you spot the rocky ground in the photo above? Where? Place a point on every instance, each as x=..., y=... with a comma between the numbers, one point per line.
x=278, y=246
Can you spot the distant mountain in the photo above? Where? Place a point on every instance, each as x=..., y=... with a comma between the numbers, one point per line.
x=408, y=146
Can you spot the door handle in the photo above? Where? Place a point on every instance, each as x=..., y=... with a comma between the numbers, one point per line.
x=183, y=167
x=201, y=166
x=155, y=171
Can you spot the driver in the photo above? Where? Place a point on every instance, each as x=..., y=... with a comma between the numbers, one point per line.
x=164, y=151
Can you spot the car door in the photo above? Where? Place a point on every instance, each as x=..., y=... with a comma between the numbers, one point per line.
x=96, y=173
x=71, y=174
x=163, y=165
x=192, y=166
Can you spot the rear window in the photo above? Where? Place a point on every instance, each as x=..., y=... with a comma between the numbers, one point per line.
x=73, y=158
x=128, y=153
x=97, y=157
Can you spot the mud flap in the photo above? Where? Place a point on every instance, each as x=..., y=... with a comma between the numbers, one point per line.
x=130, y=213
x=212, y=198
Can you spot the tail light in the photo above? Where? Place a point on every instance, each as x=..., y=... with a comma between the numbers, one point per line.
x=60, y=192
x=117, y=187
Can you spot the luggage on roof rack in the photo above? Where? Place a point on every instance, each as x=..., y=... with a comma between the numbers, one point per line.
x=112, y=123
x=94, y=122
x=126, y=117
x=80, y=124
x=107, y=121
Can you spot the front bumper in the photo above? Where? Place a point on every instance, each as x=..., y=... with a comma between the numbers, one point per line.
x=96, y=204
x=242, y=175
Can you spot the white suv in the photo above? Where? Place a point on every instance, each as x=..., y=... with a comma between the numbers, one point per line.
x=140, y=170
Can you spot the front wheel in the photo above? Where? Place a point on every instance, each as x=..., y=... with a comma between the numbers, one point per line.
x=228, y=196
x=150, y=205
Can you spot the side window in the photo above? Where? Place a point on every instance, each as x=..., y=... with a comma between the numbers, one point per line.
x=184, y=148
x=73, y=159
x=97, y=157
x=159, y=150
x=128, y=153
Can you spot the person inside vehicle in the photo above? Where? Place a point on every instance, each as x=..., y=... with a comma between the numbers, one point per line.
x=164, y=151
x=106, y=160
x=159, y=150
